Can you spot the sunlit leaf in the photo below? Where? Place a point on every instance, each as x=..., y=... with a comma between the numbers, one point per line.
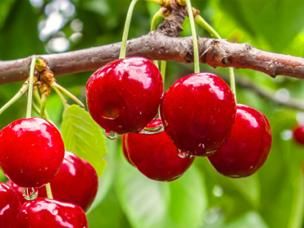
x=83, y=136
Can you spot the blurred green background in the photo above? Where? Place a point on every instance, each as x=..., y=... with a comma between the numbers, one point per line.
x=274, y=197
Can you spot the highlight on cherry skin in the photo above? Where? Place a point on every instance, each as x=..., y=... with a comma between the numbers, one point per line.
x=124, y=95
x=74, y=173
x=198, y=112
x=48, y=213
x=298, y=134
x=247, y=147
x=31, y=151
x=9, y=205
x=155, y=155
x=76, y=182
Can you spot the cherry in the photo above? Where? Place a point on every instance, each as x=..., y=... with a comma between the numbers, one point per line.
x=124, y=95
x=247, y=146
x=155, y=155
x=18, y=189
x=125, y=152
x=76, y=182
x=298, y=134
x=31, y=151
x=9, y=206
x=50, y=214
x=198, y=112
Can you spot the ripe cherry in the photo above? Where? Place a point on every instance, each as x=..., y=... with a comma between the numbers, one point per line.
x=198, y=111
x=298, y=134
x=76, y=182
x=247, y=146
x=50, y=214
x=155, y=155
x=124, y=95
x=9, y=206
x=31, y=151
x=19, y=190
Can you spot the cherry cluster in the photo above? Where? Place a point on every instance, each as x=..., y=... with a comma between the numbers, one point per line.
x=32, y=155
x=198, y=117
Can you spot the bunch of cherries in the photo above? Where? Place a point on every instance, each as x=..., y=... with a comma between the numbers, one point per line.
x=32, y=154
x=198, y=117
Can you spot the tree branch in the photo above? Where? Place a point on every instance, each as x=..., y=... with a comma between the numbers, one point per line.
x=160, y=47
x=292, y=103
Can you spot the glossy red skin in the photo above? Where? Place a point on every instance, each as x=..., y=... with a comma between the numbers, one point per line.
x=298, y=134
x=155, y=155
x=9, y=206
x=247, y=147
x=76, y=182
x=46, y=213
x=18, y=189
x=31, y=151
x=124, y=150
x=124, y=95
x=198, y=111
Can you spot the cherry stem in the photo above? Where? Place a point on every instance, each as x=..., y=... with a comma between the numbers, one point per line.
x=154, y=23
x=30, y=88
x=123, y=49
x=38, y=100
x=48, y=189
x=204, y=24
x=43, y=106
x=163, y=69
x=67, y=93
x=62, y=98
x=36, y=108
x=16, y=97
x=194, y=37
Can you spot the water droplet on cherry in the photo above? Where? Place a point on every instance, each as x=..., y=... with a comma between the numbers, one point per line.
x=184, y=154
x=152, y=130
x=111, y=135
x=30, y=193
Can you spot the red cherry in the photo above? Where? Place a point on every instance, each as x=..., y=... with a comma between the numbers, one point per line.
x=76, y=182
x=198, y=111
x=124, y=95
x=18, y=189
x=155, y=155
x=124, y=150
x=298, y=134
x=31, y=151
x=48, y=213
x=9, y=206
x=247, y=147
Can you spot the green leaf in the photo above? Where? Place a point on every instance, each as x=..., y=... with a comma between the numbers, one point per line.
x=107, y=179
x=108, y=214
x=5, y=8
x=144, y=201
x=275, y=21
x=83, y=136
x=188, y=200
x=148, y=203
x=248, y=220
x=19, y=34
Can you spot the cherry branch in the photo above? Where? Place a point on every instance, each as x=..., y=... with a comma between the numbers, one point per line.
x=214, y=52
x=267, y=94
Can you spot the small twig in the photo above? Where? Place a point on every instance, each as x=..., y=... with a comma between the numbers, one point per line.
x=67, y=93
x=269, y=95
